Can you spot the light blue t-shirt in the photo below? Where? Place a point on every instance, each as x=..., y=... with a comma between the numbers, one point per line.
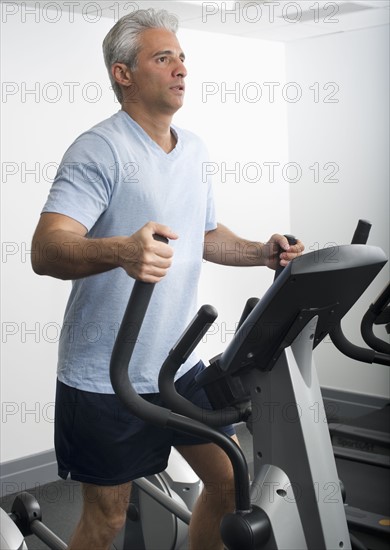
x=114, y=179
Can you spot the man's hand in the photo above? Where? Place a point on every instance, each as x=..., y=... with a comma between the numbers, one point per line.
x=144, y=258
x=277, y=251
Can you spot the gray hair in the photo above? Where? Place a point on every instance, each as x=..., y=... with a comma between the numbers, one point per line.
x=122, y=44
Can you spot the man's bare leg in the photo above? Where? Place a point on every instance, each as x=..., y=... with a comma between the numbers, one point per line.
x=103, y=516
x=213, y=467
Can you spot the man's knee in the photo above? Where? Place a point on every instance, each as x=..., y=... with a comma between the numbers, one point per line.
x=106, y=507
x=220, y=491
x=115, y=521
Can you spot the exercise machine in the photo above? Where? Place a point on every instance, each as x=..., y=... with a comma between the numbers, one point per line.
x=266, y=377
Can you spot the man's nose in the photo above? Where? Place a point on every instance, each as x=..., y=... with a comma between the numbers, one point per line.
x=180, y=69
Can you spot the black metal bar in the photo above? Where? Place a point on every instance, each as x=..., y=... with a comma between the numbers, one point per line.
x=220, y=417
x=373, y=312
x=365, y=355
x=233, y=451
x=122, y=352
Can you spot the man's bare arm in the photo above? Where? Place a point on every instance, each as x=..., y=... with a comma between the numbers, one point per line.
x=222, y=246
x=61, y=249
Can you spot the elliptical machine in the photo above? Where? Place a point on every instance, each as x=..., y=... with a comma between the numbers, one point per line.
x=266, y=377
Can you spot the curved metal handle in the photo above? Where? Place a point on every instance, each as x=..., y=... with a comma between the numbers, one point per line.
x=380, y=307
x=379, y=351
x=123, y=350
x=177, y=356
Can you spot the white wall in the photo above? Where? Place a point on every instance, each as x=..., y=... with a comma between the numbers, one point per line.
x=43, y=57
x=62, y=63
x=347, y=125
x=244, y=131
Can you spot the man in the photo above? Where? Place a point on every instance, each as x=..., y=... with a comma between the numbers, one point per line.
x=128, y=178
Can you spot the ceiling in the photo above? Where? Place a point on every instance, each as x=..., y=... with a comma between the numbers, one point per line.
x=281, y=20
x=276, y=20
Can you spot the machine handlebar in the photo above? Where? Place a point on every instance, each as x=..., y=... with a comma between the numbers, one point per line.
x=379, y=351
x=160, y=416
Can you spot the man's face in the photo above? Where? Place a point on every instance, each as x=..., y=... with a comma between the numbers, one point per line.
x=158, y=80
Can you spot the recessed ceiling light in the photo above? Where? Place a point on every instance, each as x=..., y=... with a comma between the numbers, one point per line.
x=221, y=4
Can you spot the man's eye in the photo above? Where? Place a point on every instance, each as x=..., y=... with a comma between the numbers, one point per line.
x=162, y=59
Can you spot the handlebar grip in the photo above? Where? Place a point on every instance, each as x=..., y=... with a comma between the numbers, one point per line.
x=362, y=232
x=291, y=240
x=136, y=309
x=160, y=238
x=249, y=307
x=193, y=334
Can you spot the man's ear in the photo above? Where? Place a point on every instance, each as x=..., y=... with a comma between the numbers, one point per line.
x=121, y=74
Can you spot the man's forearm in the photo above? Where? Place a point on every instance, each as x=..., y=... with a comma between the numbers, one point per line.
x=66, y=255
x=222, y=246
x=61, y=249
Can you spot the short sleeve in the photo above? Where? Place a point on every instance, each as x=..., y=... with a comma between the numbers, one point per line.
x=84, y=181
x=211, y=216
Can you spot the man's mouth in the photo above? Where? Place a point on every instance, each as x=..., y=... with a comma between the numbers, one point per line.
x=178, y=88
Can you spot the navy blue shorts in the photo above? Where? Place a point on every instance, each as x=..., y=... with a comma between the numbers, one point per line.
x=98, y=441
